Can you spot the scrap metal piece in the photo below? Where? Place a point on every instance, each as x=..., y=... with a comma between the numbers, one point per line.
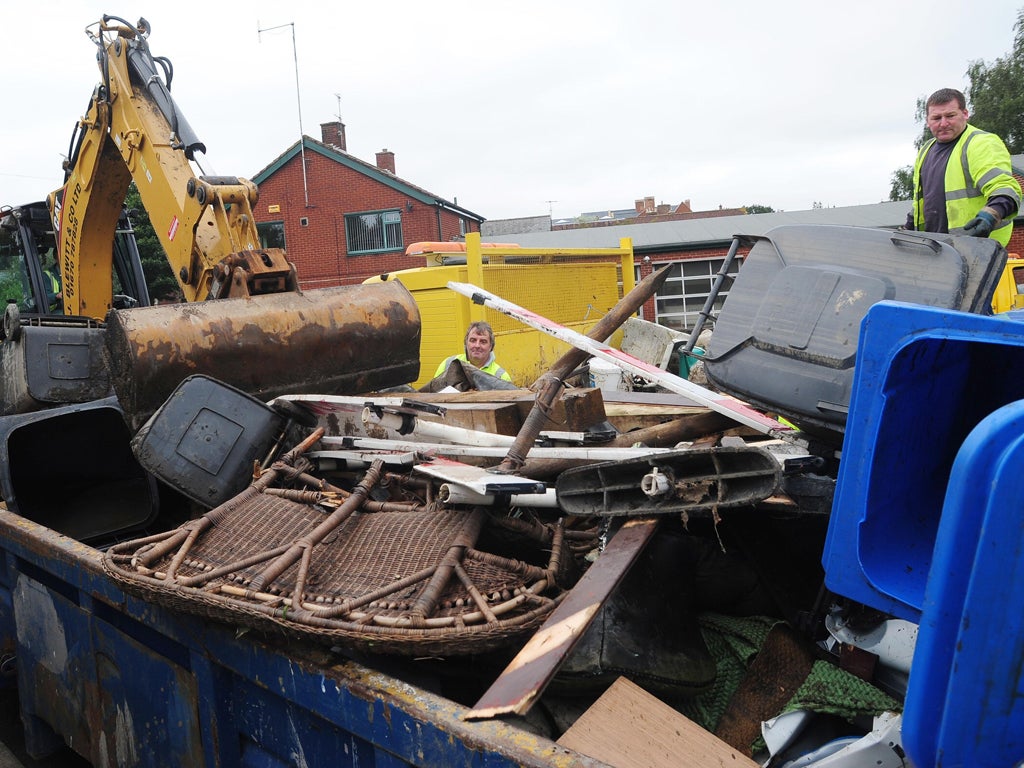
x=478, y=479
x=691, y=480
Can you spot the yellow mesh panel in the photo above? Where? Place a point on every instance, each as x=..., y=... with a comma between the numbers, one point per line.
x=564, y=293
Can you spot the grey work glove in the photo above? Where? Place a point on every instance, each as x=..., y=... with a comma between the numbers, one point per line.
x=982, y=224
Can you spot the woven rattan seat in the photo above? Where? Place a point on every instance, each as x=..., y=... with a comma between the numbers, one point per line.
x=408, y=582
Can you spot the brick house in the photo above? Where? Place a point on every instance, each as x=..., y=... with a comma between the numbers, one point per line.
x=341, y=219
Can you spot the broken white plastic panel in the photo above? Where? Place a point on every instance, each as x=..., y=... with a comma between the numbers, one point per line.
x=581, y=453
x=882, y=748
x=735, y=409
x=404, y=423
x=453, y=493
x=779, y=732
x=348, y=460
x=892, y=641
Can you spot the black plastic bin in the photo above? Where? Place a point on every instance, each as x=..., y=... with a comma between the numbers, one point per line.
x=204, y=440
x=71, y=469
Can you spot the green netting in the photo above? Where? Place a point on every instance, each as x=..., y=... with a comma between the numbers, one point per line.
x=735, y=641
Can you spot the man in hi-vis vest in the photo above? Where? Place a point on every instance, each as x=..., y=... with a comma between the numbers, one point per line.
x=478, y=349
x=963, y=182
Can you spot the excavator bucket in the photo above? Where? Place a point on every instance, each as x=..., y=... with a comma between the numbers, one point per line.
x=344, y=340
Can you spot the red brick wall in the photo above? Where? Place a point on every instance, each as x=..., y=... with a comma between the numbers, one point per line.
x=1016, y=244
x=334, y=190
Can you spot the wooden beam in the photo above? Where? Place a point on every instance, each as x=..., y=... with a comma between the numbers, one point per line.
x=523, y=681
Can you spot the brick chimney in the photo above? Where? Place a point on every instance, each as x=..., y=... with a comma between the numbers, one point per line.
x=648, y=205
x=639, y=204
x=386, y=161
x=333, y=134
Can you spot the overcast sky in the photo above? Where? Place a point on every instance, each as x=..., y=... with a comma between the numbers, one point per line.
x=524, y=108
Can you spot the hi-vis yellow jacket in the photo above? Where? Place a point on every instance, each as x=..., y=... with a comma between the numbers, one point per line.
x=490, y=367
x=978, y=168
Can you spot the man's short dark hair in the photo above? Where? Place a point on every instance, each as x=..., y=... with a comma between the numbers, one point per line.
x=946, y=95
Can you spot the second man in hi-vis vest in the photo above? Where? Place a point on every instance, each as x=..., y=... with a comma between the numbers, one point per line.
x=963, y=181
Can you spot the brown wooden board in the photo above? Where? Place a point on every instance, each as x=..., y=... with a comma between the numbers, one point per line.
x=629, y=728
x=575, y=409
x=522, y=682
x=493, y=418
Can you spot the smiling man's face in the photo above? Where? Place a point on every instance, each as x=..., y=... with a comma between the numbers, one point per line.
x=478, y=347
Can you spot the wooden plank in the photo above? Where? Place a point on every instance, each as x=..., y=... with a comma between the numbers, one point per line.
x=522, y=682
x=575, y=409
x=629, y=728
x=627, y=417
x=495, y=418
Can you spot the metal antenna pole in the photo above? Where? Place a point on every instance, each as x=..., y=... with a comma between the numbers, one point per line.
x=298, y=101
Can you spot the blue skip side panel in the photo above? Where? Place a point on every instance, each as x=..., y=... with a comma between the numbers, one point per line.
x=126, y=683
x=925, y=378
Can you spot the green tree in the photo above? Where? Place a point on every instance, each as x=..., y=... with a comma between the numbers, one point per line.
x=902, y=183
x=996, y=93
x=159, y=278
x=756, y=208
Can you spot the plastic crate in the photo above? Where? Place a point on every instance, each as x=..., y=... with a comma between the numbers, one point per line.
x=925, y=378
x=786, y=338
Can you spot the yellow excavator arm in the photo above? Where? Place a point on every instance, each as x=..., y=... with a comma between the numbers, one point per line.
x=133, y=131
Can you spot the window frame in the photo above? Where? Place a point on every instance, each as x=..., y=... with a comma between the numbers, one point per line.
x=263, y=226
x=387, y=247
x=691, y=303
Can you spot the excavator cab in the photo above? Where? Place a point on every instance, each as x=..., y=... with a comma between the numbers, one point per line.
x=48, y=358
x=30, y=274
x=25, y=243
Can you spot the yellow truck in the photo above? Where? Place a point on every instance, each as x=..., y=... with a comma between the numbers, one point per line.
x=1010, y=289
x=574, y=287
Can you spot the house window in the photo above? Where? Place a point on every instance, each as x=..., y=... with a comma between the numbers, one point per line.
x=374, y=232
x=681, y=298
x=271, y=234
